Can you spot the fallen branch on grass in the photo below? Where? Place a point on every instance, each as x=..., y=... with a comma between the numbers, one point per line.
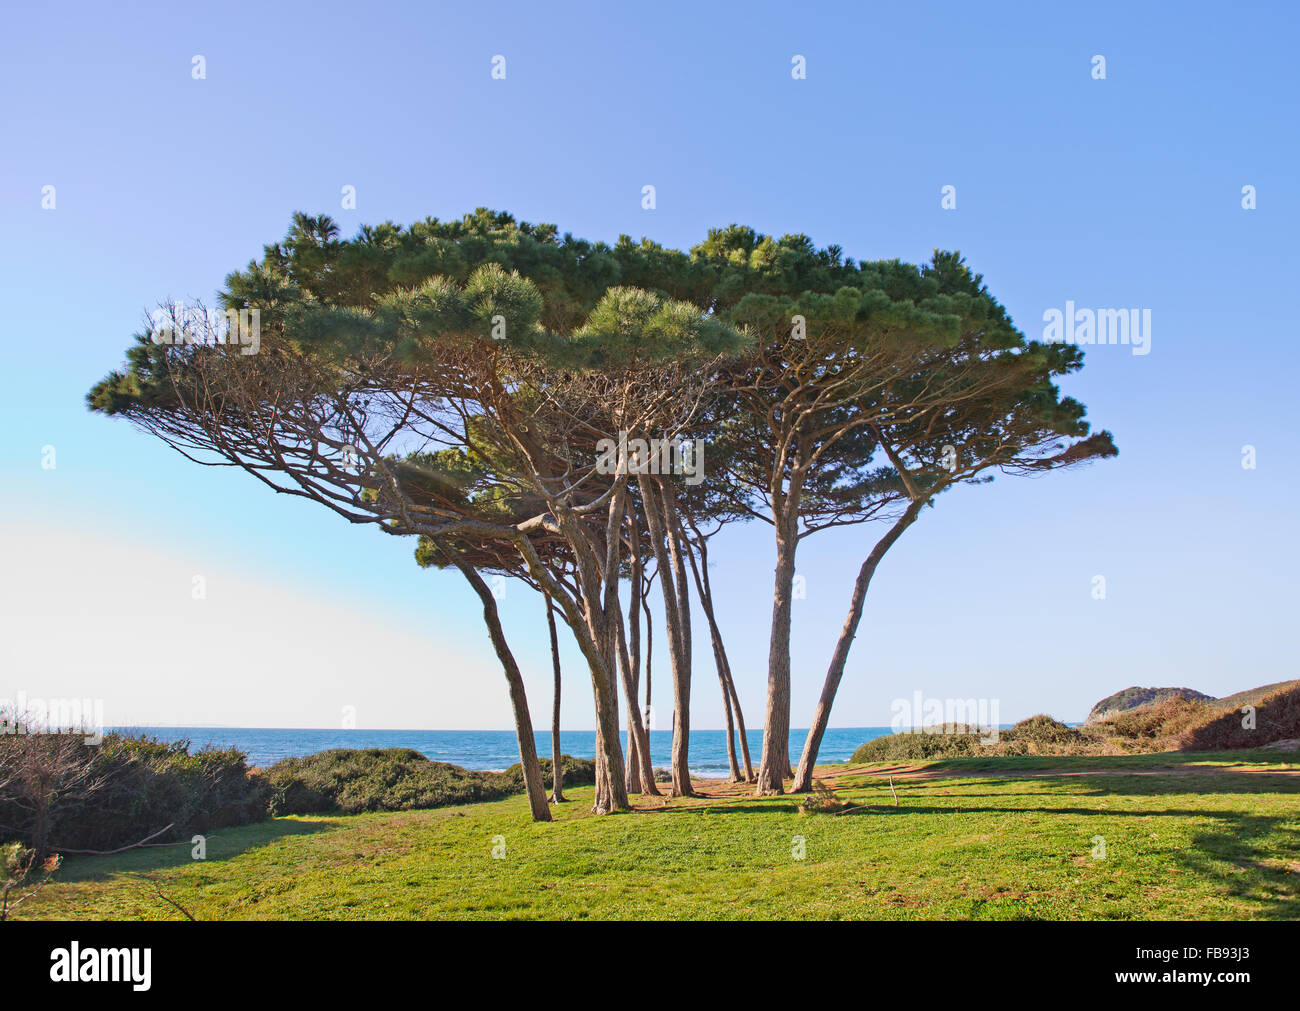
x=861, y=807
x=123, y=849
x=167, y=898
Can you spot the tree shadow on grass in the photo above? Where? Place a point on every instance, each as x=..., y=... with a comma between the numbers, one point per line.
x=1203, y=784
x=1154, y=783
x=1101, y=790
x=1189, y=761
x=722, y=806
x=1244, y=857
x=221, y=844
x=1087, y=787
x=1251, y=858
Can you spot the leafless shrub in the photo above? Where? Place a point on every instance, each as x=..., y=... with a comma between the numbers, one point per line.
x=36, y=771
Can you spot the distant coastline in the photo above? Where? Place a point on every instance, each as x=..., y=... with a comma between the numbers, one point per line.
x=486, y=750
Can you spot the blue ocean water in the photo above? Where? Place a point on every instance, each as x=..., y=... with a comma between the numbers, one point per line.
x=492, y=749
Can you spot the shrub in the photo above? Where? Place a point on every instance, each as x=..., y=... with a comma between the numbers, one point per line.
x=1163, y=720
x=22, y=875
x=58, y=792
x=1277, y=718
x=1041, y=730
x=1139, y=698
x=148, y=784
x=346, y=781
x=823, y=800
x=577, y=772
x=942, y=740
x=1172, y=722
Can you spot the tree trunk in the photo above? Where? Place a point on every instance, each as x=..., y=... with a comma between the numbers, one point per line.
x=773, y=767
x=634, y=757
x=607, y=732
x=731, y=730
x=634, y=774
x=604, y=768
x=678, y=656
x=557, y=762
x=611, y=788
x=740, y=723
x=532, y=769
x=649, y=657
x=638, y=737
x=804, y=774
x=640, y=769
x=648, y=712
x=607, y=629
x=638, y=741
x=682, y=685
x=719, y=656
x=706, y=598
x=611, y=792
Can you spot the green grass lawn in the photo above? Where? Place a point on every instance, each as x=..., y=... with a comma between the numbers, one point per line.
x=1201, y=836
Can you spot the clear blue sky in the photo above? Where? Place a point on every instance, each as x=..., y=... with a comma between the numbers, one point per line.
x=1123, y=192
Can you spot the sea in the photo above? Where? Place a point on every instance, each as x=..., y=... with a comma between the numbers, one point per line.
x=494, y=750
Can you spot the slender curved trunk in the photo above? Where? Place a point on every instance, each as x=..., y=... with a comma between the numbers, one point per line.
x=557, y=762
x=706, y=597
x=649, y=657
x=720, y=661
x=731, y=730
x=648, y=712
x=638, y=741
x=677, y=653
x=615, y=641
x=774, y=766
x=634, y=756
x=638, y=737
x=611, y=792
x=640, y=770
x=633, y=773
x=583, y=611
x=804, y=774
x=740, y=722
x=681, y=686
x=532, y=769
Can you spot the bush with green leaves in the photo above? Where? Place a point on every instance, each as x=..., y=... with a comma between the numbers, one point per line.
x=942, y=740
x=577, y=772
x=346, y=781
x=58, y=792
x=1041, y=730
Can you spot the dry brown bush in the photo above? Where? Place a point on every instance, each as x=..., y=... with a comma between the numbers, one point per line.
x=1276, y=718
